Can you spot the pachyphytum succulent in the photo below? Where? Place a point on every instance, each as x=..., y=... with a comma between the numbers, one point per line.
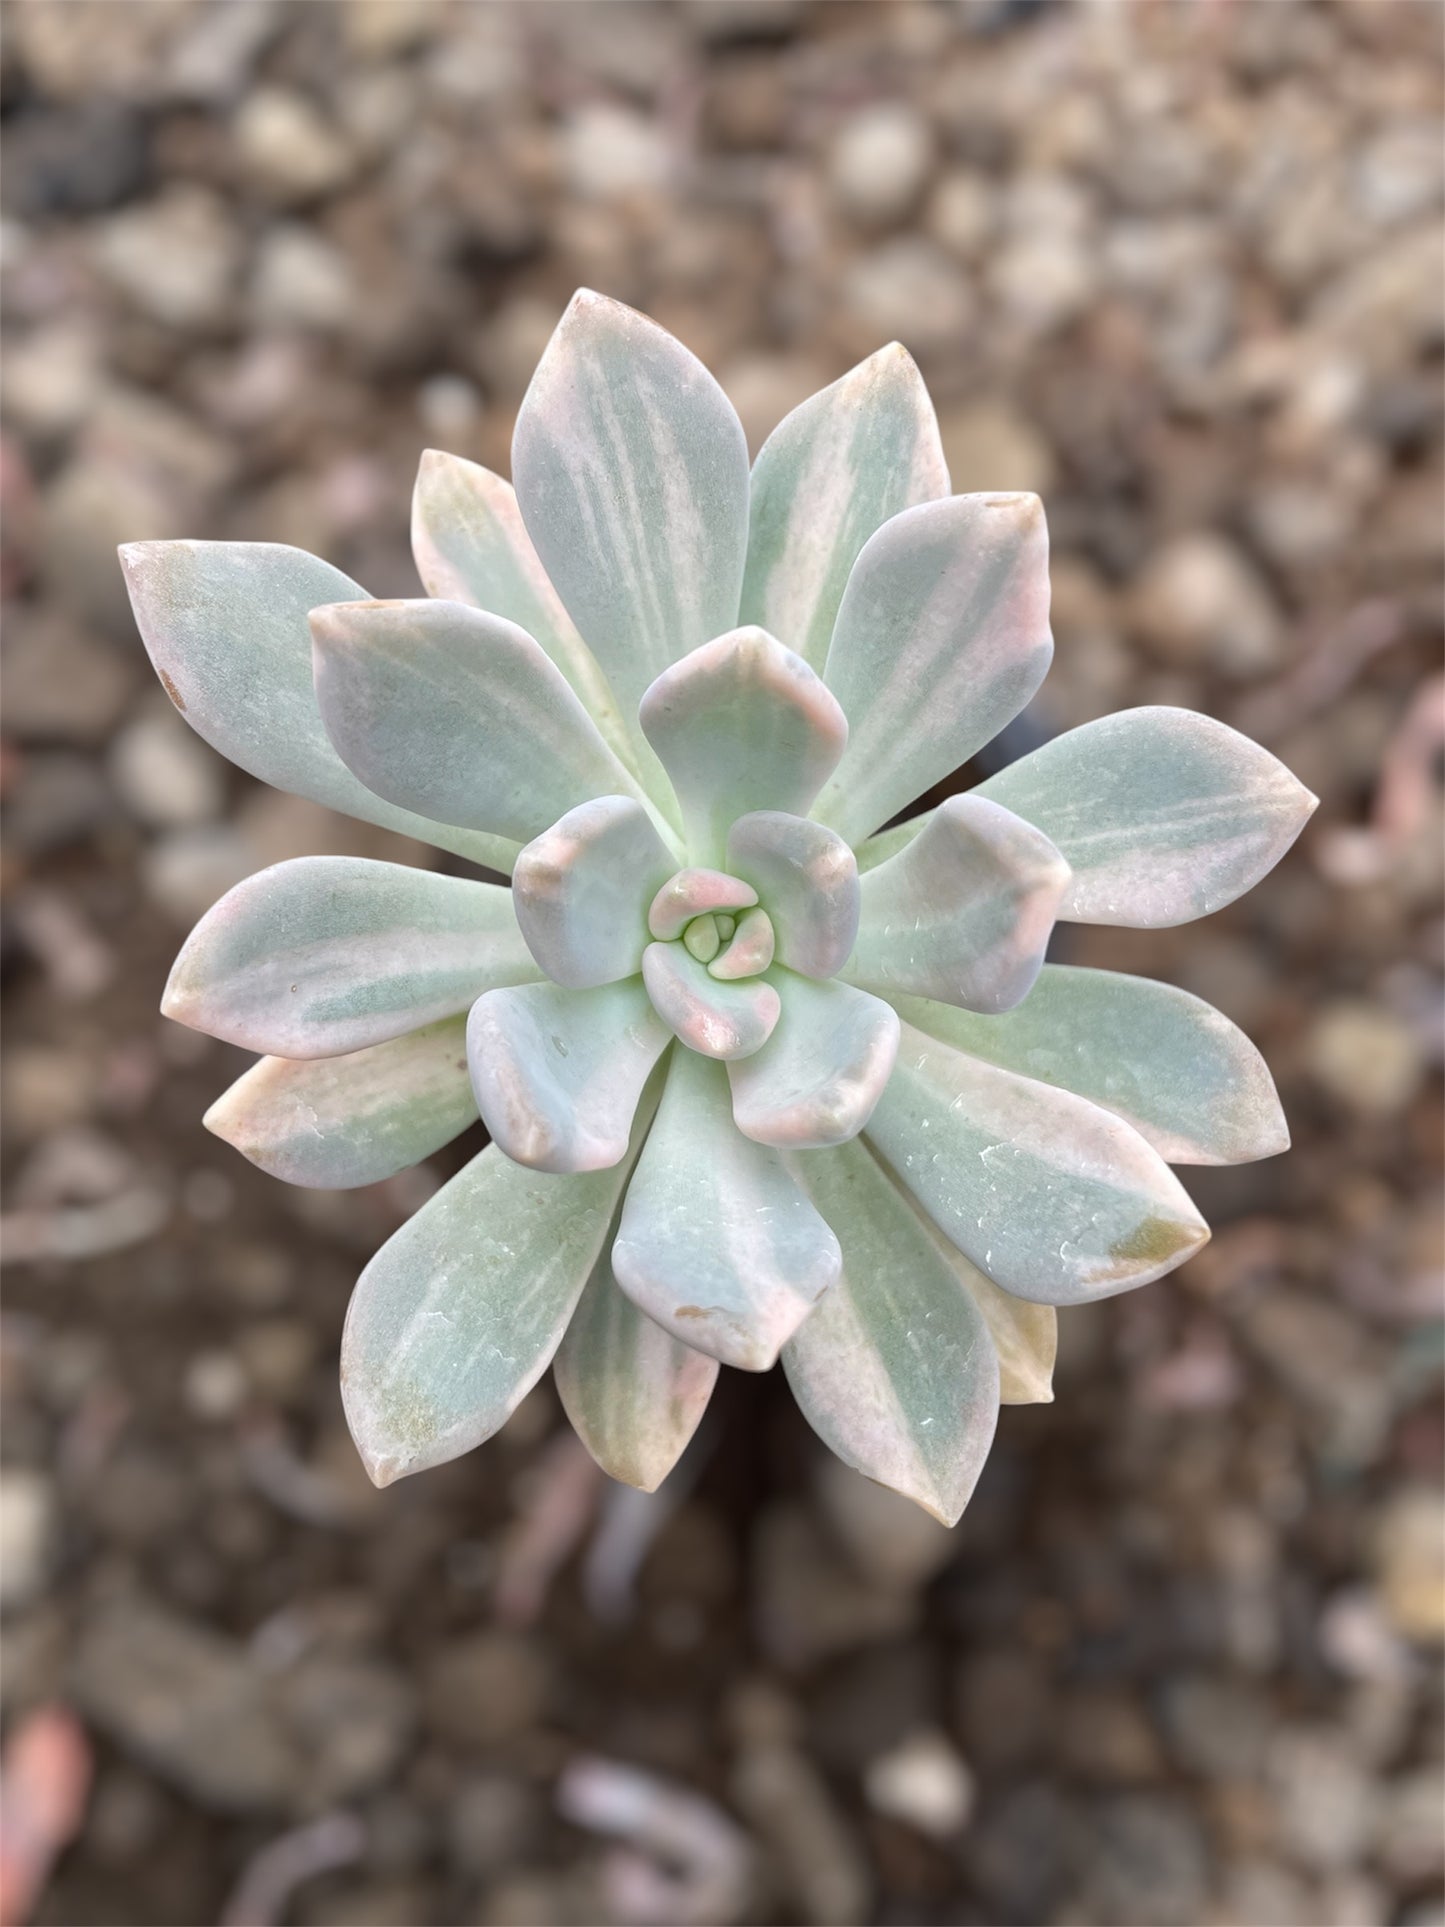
x=761, y=1079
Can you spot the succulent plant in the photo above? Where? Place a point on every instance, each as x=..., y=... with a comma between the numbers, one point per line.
x=762, y=1078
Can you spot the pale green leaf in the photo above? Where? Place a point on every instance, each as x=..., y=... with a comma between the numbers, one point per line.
x=816, y=1080
x=741, y=724
x=708, y=1014
x=226, y=627
x=631, y=470
x=942, y=638
x=338, y=1122
x=582, y=888
x=895, y=1369
x=808, y=878
x=1162, y=815
x=832, y=472
x=634, y=1394
x=458, y=1315
x=440, y=706
x=1180, y=1072
x=964, y=912
x=717, y=1242
x=558, y=1073
x=323, y=955
x=1056, y=1199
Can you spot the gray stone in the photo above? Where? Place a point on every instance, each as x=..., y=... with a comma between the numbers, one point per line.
x=301, y=281
x=1326, y=1802
x=1215, y=1726
x=164, y=774
x=808, y=1601
x=28, y=1534
x=60, y=799
x=1409, y=1829
x=1200, y=604
x=60, y=685
x=492, y=1822
x=1147, y=1863
x=352, y=1717
x=485, y=1689
x=185, y=1702
x=176, y=258
x=611, y=150
x=186, y=871
x=1020, y=1851
x=910, y=290
x=879, y=162
x=288, y=148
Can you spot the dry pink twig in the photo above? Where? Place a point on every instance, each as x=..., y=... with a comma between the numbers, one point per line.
x=44, y=1779
x=684, y=1862
x=270, y=1878
x=565, y=1487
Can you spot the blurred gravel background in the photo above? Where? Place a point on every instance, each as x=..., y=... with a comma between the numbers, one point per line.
x=1178, y=268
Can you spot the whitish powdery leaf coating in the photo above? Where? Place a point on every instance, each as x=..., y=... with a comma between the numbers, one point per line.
x=761, y=1080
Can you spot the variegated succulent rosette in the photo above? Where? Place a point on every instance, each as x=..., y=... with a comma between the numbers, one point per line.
x=762, y=1080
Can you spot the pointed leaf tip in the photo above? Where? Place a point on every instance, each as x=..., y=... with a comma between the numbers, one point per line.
x=1164, y=814
x=631, y=472
x=741, y=724
x=831, y=473
x=224, y=622
x=459, y=1314
x=942, y=636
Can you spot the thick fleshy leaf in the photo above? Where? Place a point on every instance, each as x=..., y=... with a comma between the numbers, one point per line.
x=458, y=1315
x=1179, y=1071
x=942, y=638
x=750, y=950
x=322, y=955
x=964, y=912
x=1163, y=815
x=633, y=1393
x=1025, y=1336
x=717, y=1243
x=816, y=1080
x=558, y=1073
x=741, y=724
x=225, y=625
x=1053, y=1197
x=441, y=706
x=707, y=1013
x=695, y=893
x=470, y=545
x=702, y=938
x=808, y=878
x=895, y=1369
x=831, y=473
x=580, y=889
x=877, y=849
x=337, y=1122
x=631, y=470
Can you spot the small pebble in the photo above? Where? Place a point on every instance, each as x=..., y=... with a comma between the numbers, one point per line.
x=924, y=1782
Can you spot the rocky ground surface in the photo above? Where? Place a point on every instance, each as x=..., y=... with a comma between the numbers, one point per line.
x=1178, y=269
